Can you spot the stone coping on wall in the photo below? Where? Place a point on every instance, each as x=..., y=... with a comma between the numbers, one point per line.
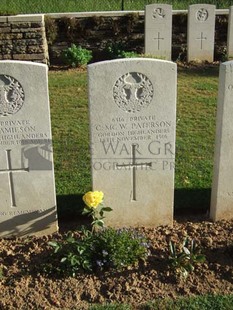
x=22, y=18
x=121, y=13
x=40, y=17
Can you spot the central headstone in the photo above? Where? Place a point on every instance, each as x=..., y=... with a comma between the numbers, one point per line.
x=132, y=119
x=27, y=189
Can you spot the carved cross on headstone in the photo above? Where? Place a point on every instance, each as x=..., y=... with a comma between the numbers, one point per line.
x=10, y=172
x=134, y=166
x=202, y=38
x=158, y=40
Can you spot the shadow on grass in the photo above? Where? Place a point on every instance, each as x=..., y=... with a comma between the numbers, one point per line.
x=192, y=202
x=189, y=203
x=69, y=209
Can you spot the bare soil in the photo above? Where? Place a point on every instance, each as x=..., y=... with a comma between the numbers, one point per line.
x=24, y=285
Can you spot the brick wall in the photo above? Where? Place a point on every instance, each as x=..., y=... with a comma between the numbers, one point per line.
x=22, y=37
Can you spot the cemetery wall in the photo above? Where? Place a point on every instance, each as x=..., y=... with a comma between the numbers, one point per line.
x=96, y=32
x=22, y=37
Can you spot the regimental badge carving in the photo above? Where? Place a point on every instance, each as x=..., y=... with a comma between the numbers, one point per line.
x=158, y=13
x=202, y=15
x=11, y=95
x=133, y=92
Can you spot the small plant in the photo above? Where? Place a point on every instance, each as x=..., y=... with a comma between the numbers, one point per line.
x=101, y=248
x=76, y=56
x=115, y=50
x=73, y=255
x=119, y=249
x=95, y=208
x=183, y=261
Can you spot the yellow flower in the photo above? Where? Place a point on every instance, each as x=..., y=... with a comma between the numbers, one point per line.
x=93, y=199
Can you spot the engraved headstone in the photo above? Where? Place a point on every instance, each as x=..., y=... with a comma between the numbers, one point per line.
x=201, y=29
x=230, y=34
x=132, y=123
x=27, y=189
x=158, y=30
x=222, y=186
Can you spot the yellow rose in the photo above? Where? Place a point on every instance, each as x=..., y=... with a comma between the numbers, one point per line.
x=93, y=199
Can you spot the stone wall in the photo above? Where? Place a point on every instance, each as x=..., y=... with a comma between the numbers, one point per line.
x=22, y=37
x=96, y=31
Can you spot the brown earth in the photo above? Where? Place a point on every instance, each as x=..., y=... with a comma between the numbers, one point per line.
x=24, y=286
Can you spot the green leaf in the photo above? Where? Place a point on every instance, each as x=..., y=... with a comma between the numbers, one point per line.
x=200, y=258
x=63, y=259
x=172, y=248
x=186, y=250
x=189, y=267
x=107, y=209
x=54, y=244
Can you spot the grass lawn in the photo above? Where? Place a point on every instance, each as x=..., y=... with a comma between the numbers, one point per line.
x=208, y=302
x=53, y=6
x=196, y=109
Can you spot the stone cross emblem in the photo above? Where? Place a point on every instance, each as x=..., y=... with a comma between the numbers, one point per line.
x=202, y=39
x=159, y=38
x=11, y=95
x=10, y=172
x=134, y=165
x=133, y=92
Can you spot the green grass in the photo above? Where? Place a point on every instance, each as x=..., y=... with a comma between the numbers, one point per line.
x=52, y=6
x=206, y=302
x=196, y=109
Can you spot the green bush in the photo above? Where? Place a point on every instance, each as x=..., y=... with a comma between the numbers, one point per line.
x=76, y=56
x=106, y=249
x=114, y=50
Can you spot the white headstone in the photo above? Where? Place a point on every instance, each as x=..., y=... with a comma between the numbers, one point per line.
x=158, y=30
x=222, y=187
x=27, y=190
x=132, y=120
x=230, y=34
x=201, y=28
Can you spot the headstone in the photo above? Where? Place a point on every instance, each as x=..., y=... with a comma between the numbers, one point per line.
x=132, y=120
x=222, y=187
x=158, y=30
x=230, y=34
x=201, y=28
x=27, y=190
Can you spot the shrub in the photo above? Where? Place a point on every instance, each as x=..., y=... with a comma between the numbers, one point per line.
x=114, y=50
x=76, y=56
x=104, y=250
x=183, y=260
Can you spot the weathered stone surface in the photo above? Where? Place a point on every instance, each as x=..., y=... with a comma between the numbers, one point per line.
x=27, y=188
x=158, y=30
x=133, y=119
x=28, y=56
x=10, y=36
x=230, y=34
x=222, y=187
x=201, y=27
